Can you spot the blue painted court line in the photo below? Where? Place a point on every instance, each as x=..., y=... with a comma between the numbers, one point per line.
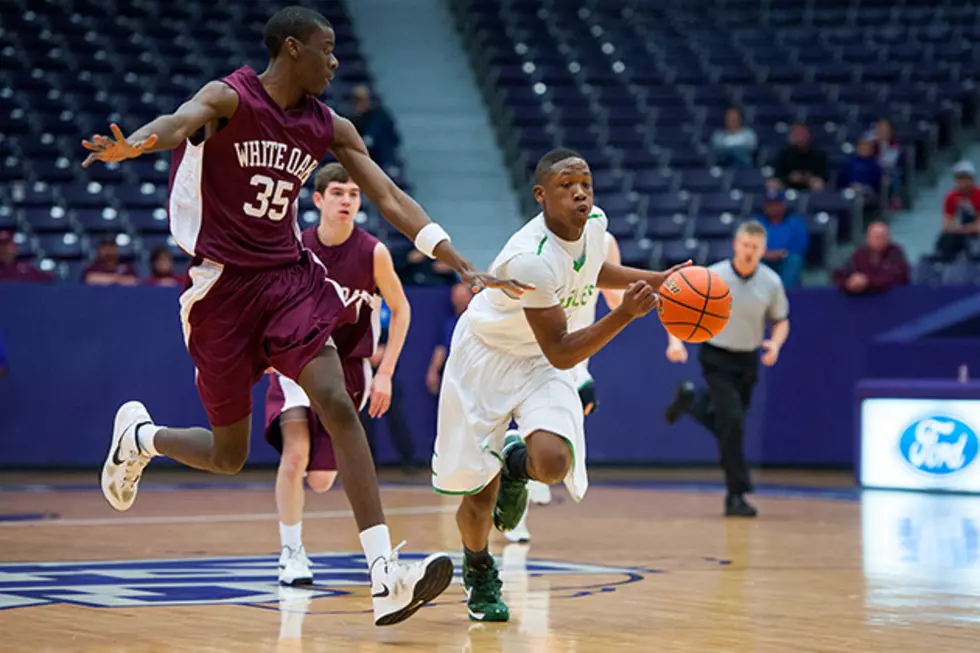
x=31, y=516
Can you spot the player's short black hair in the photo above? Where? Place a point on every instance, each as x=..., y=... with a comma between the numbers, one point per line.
x=298, y=22
x=549, y=160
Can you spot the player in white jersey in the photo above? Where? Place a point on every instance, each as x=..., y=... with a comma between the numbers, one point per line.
x=511, y=359
x=538, y=492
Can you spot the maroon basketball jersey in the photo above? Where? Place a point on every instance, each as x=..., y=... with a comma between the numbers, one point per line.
x=351, y=265
x=233, y=197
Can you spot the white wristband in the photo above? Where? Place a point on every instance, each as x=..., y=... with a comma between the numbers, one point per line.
x=428, y=237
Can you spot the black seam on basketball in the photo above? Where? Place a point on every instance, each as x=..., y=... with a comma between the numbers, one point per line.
x=698, y=292
x=709, y=314
x=691, y=286
x=706, y=295
x=692, y=324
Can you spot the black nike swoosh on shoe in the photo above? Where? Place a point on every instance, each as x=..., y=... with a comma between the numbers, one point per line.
x=115, y=454
x=382, y=594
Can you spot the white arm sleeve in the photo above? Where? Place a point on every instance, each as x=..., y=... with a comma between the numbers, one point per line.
x=532, y=269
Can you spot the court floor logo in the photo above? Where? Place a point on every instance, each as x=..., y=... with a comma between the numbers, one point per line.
x=241, y=580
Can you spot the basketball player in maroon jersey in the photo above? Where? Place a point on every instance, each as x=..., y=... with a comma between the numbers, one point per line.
x=362, y=266
x=243, y=146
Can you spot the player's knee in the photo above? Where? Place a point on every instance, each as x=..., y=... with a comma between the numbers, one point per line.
x=228, y=460
x=333, y=404
x=293, y=462
x=320, y=482
x=552, y=462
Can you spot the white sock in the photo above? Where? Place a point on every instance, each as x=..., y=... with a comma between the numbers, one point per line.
x=291, y=536
x=376, y=542
x=145, y=435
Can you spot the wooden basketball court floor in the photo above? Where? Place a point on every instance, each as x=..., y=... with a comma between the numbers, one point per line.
x=638, y=566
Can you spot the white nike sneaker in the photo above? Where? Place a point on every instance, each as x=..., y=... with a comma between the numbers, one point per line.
x=294, y=567
x=520, y=534
x=400, y=589
x=538, y=493
x=125, y=462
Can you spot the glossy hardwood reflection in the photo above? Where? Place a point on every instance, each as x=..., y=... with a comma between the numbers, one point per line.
x=626, y=570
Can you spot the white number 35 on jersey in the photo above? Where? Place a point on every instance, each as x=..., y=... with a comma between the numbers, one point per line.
x=272, y=200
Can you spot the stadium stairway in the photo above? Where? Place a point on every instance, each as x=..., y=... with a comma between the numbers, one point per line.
x=421, y=71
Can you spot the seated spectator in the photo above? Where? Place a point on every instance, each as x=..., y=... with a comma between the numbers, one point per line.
x=800, y=165
x=960, y=210
x=107, y=269
x=787, y=241
x=12, y=269
x=162, y=269
x=460, y=295
x=888, y=150
x=375, y=126
x=735, y=145
x=862, y=173
x=875, y=266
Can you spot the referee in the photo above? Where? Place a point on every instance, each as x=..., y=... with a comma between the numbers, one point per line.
x=730, y=360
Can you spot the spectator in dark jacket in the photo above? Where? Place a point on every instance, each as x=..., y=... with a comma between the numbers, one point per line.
x=801, y=165
x=375, y=126
x=875, y=266
x=862, y=171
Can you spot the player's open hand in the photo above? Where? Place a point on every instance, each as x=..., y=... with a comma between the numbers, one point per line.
x=478, y=281
x=380, y=395
x=639, y=299
x=115, y=147
x=657, y=278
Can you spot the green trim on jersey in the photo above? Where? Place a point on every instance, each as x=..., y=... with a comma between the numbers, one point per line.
x=541, y=245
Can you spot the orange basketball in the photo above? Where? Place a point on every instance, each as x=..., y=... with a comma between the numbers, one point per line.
x=695, y=304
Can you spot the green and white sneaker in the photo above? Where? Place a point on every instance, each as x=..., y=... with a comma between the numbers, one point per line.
x=482, y=587
x=512, y=495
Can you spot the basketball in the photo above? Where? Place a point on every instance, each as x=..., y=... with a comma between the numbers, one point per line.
x=695, y=304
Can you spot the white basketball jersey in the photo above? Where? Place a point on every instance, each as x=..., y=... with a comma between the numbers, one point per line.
x=564, y=272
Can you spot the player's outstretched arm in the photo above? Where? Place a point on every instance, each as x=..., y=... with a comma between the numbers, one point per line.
x=216, y=100
x=565, y=349
x=401, y=210
x=613, y=276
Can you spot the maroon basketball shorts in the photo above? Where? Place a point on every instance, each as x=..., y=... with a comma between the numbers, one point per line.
x=239, y=322
x=285, y=393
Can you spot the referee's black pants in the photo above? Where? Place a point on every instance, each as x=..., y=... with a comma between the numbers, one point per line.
x=722, y=406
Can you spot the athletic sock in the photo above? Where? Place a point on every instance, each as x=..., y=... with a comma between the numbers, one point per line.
x=478, y=559
x=376, y=542
x=516, y=463
x=291, y=536
x=145, y=434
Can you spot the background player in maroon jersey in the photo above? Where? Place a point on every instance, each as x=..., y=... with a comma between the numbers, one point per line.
x=362, y=266
x=243, y=146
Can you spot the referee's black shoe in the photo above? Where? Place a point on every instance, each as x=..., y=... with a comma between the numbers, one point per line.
x=737, y=506
x=683, y=400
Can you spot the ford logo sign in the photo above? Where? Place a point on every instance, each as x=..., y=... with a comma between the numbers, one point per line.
x=939, y=445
